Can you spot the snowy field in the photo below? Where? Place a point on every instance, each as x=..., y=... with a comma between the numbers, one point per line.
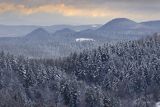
x=158, y=104
x=84, y=39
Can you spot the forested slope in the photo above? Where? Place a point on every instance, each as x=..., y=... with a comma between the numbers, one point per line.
x=127, y=70
x=121, y=75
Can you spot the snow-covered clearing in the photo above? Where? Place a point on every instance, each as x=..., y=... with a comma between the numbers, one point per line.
x=84, y=39
x=158, y=104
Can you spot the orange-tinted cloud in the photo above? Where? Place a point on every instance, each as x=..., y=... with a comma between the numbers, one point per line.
x=69, y=10
x=51, y=8
x=60, y=9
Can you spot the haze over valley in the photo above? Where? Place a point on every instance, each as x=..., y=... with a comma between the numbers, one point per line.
x=39, y=42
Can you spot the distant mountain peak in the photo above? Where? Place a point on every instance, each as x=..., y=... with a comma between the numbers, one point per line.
x=121, y=19
x=119, y=23
x=40, y=32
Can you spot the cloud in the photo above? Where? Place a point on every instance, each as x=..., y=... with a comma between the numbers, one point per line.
x=110, y=11
x=81, y=7
x=50, y=8
x=57, y=8
x=91, y=10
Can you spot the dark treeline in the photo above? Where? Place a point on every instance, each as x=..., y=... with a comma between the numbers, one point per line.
x=121, y=75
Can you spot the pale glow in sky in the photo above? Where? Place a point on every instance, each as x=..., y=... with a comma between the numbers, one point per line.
x=50, y=12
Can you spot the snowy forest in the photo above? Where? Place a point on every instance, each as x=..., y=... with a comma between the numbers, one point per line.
x=125, y=74
x=79, y=53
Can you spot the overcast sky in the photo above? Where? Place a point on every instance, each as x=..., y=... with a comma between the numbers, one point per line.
x=50, y=12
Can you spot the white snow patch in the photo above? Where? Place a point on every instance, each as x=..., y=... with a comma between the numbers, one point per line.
x=84, y=39
x=94, y=25
x=158, y=104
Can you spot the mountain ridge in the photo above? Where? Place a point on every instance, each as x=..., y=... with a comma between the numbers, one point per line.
x=118, y=22
x=39, y=33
